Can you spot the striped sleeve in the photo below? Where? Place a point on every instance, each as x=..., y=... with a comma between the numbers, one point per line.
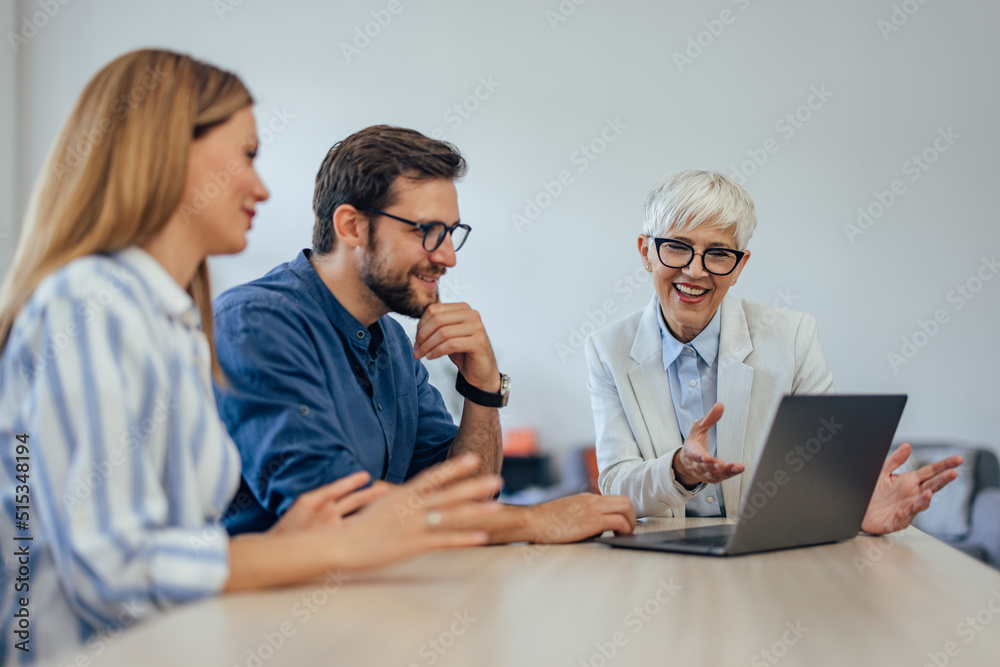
x=110, y=428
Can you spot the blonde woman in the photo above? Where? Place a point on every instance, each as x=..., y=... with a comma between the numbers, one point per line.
x=114, y=465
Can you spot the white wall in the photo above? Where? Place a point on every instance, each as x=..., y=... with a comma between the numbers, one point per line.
x=538, y=287
x=8, y=132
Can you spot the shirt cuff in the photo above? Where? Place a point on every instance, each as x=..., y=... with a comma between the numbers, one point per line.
x=686, y=492
x=187, y=565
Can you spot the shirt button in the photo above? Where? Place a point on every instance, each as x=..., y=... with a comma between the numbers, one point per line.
x=361, y=334
x=379, y=406
x=693, y=383
x=303, y=410
x=710, y=499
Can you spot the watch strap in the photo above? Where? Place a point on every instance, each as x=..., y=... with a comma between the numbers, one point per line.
x=480, y=397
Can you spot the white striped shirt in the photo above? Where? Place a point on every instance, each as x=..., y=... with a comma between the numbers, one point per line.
x=108, y=373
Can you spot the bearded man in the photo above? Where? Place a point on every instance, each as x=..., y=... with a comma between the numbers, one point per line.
x=323, y=383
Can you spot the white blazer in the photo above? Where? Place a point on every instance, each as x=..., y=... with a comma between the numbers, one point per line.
x=764, y=354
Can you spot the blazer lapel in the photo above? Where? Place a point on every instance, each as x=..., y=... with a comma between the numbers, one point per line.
x=651, y=384
x=734, y=381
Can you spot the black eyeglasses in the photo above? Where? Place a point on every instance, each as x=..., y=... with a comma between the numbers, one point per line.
x=677, y=254
x=434, y=233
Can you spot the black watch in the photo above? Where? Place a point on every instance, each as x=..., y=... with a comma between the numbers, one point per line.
x=484, y=398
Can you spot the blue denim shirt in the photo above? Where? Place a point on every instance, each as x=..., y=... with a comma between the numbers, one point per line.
x=314, y=395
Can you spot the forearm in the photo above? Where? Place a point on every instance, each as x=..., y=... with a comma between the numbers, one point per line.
x=479, y=433
x=267, y=560
x=559, y=521
x=513, y=523
x=650, y=485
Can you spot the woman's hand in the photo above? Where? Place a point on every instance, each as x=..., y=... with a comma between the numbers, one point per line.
x=424, y=514
x=692, y=462
x=897, y=499
x=328, y=505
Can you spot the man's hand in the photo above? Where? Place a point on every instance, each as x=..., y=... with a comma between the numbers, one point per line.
x=456, y=330
x=899, y=498
x=692, y=462
x=578, y=517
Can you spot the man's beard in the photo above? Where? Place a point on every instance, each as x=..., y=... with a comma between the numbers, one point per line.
x=394, y=290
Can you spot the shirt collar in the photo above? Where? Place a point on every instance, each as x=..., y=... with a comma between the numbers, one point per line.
x=706, y=344
x=172, y=298
x=362, y=337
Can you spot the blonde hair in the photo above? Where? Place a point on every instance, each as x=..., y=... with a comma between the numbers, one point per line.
x=684, y=200
x=116, y=172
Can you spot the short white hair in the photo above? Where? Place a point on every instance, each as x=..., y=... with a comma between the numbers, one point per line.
x=684, y=200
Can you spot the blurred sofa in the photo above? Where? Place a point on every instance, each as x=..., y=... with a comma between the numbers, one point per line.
x=966, y=513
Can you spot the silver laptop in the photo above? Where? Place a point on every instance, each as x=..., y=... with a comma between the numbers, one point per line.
x=811, y=485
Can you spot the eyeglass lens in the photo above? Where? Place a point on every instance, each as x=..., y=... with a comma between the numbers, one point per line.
x=715, y=260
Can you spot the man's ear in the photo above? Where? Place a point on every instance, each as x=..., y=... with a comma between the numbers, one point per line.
x=350, y=226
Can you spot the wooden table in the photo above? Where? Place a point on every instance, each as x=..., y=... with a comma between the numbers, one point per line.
x=901, y=600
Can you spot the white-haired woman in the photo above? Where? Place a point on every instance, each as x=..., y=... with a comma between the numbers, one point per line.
x=114, y=465
x=661, y=377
